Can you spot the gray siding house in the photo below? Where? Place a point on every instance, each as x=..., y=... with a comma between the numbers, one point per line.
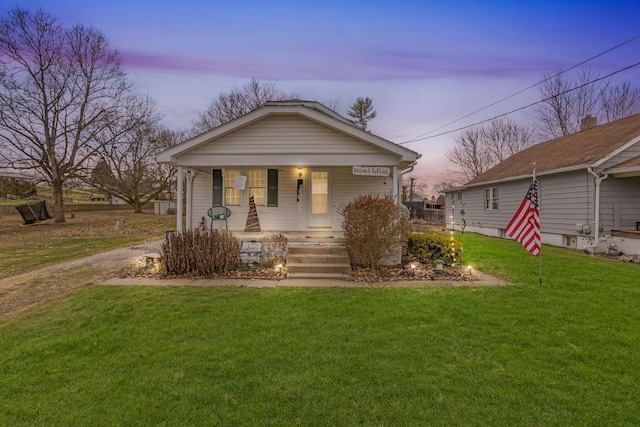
x=299, y=160
x=589, y=189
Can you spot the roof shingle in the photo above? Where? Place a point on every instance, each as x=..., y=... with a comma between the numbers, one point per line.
x=580, y=148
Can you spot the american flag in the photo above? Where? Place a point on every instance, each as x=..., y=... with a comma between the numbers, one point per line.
x=525, y=224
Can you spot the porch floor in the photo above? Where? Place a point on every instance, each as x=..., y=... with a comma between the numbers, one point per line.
x=629, y=234
x=308, y=237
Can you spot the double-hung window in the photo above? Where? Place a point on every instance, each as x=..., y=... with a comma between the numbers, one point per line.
x=231, y=194
x=258, y=186
x=491, y=198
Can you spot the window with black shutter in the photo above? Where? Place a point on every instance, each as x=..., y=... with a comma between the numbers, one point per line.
x=218, y=186
x=272, y=187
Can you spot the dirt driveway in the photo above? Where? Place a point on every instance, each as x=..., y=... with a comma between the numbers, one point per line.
x=23, y=291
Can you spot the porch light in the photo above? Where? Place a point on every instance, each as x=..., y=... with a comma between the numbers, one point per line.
x=299, y=172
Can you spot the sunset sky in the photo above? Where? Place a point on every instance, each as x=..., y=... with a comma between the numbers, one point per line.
x=424, y=63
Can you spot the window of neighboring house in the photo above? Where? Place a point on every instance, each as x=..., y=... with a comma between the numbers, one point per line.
x=232, y=196
x=459, y=196
x=491, y=198
x=258, y=186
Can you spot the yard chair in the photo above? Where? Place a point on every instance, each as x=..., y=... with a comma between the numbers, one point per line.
x=219, y=213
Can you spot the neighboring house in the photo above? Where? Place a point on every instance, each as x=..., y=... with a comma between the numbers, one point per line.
x=427, y=210
x=416, y=206
x=298, y=159
x=589, y=185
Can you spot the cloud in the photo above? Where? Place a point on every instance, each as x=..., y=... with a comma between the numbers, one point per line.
x=337, y=65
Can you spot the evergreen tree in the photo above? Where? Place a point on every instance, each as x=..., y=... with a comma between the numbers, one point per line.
x=362, y=111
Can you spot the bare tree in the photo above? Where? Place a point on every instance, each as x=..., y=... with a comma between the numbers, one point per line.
x=127, y=168
x=619, y=101
x=362, y=112
x=469, y=155
x=479, y=148
x=569, y=99
x=238, y=102
x=61, y=92
x=504, y=138
x=443, y=186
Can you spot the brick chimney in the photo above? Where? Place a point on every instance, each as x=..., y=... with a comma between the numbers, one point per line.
x=588, y=122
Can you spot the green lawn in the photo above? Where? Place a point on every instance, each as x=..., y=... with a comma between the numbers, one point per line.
x=564, y=353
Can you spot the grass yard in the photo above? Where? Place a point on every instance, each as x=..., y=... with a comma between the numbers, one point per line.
x=24, y=248
x=564, y=353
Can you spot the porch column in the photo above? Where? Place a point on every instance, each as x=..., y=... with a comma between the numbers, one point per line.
x=180, y=190
x=395, y=193
x=190, y=175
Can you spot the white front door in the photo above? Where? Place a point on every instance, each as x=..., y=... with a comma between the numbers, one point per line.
x=320, y=200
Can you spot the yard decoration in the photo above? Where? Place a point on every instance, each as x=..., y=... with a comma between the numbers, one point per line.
x=253, y=223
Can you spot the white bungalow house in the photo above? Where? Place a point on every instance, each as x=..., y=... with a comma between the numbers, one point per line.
x=589, y=189
x=298, y=159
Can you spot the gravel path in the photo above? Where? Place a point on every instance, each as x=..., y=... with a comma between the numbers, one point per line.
x=44, y=284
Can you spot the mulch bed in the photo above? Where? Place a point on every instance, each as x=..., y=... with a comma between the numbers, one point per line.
x=419, y=272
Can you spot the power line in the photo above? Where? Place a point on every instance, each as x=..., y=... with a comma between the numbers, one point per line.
x=420, y=137
x=522, y=108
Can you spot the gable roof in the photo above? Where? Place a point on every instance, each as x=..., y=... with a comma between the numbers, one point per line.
x=580, y=150
x=311, y=110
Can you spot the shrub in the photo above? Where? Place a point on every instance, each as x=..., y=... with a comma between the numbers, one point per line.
x=199, y=253
x=18, y=187
x=273, y=249
x=428, y=247
x=373, y=226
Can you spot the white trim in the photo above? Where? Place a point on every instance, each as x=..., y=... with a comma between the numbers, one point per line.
x=180, y=188
x=172, y=154
x=190, y=176
x=617, y=151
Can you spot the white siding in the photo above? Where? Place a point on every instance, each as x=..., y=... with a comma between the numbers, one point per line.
x=284, y=134
x=565, y=200
x=347, y=187
x=289, y=215
x=628, y=153
x=619, y=204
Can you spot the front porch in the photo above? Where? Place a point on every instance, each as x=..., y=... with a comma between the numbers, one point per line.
x=625, y=241
x=302, y=238
x=251, y=246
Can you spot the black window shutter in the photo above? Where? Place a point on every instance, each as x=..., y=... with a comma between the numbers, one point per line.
x=217, y=188
x=272, y=187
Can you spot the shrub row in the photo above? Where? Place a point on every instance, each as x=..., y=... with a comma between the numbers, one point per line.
x=428, y=247
x=199, y=253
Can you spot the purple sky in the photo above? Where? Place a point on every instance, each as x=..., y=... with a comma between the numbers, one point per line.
x=424, y=63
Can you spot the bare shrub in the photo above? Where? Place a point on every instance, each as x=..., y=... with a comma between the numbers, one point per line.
x=373, y=226
x=200, y=253
x=273, y=249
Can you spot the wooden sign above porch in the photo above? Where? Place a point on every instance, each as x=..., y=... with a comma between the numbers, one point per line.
x=371, y=170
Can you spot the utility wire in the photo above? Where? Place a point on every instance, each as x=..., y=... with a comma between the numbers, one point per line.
x=522, y=108
x=420, y=137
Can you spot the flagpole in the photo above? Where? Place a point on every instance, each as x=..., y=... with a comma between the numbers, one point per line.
x=535, y=178
x=525, y=224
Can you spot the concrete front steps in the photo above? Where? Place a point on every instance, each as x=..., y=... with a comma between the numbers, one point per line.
x=318, y=262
